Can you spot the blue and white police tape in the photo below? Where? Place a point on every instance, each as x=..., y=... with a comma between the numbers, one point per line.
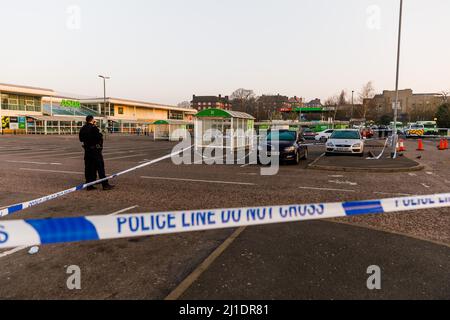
x=28, y=204
x=65, y=230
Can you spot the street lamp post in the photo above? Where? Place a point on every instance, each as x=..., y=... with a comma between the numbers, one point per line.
x=104, y=96
x=395, y=133
x=353, y=105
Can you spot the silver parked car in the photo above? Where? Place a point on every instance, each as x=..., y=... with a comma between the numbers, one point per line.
x=346, y=142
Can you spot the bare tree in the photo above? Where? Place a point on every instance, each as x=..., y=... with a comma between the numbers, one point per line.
x=242, y=94
x=244, y=100
x=445, y=95
x=184, y=104
x=331, y=101
x=342, y=100
x=367, y=92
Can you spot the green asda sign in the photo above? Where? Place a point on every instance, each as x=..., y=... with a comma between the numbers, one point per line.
x=22, y=123
x=70, y=104
x=306, y=110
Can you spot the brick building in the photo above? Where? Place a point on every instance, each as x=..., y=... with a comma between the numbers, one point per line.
x=211, y=102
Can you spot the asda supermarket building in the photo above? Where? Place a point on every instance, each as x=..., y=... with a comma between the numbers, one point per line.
x=31, y=110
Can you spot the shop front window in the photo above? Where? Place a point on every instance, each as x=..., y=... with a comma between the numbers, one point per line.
x=21, y=103
x=175, y=115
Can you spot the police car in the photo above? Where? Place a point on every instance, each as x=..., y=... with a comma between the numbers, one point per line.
x=415, y=130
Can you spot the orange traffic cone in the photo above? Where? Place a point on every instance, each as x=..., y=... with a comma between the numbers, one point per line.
x=442, y=145
x=421, y=147
x=402, y=147
x=446, y=144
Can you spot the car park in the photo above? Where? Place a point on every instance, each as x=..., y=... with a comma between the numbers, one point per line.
x=324, y=135
x=290, y=145
x=346, y=142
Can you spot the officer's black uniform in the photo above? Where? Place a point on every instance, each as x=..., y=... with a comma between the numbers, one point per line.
x=92, y=141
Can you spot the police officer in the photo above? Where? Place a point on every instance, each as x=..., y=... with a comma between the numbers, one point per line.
x=92, y=141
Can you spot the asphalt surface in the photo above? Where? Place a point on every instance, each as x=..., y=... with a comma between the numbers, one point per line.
x=339, y=162
x=151, y=268
x=315, y=261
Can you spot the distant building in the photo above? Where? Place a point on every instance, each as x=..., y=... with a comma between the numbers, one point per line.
x=211, y=102
x=413, y=106
x=316, y=103
x=269, y=106
x=32, y=110
x=296, y=102
x=287, y=106
x=272, y=100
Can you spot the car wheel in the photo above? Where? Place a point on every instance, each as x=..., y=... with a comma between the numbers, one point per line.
x=305, y=156
x=297, y=158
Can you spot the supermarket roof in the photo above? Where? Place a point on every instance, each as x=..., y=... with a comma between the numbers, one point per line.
x=35, y=91
x=43, y=92
x=136, y=103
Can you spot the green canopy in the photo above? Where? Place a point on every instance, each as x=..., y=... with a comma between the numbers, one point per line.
x=220, y=113
x=161, y=122
x=172, y=122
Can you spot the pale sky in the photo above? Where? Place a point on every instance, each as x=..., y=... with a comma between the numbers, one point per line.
x=166, y=50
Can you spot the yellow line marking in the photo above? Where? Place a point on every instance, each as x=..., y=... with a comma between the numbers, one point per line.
x=187, y=283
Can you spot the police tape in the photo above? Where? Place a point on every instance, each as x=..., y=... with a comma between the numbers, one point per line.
x=387, y=142
x=67, y=230
x=28, y=204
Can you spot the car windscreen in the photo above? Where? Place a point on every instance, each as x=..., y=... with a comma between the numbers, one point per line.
x=346, y=135
x=282, y=136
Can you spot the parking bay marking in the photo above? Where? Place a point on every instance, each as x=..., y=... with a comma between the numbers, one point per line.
x=393, y=194
x=55, y=171
x=10, y=252
x=52, y=171
x=195, y=275
x=107, y=154
x=343, y=182
x=33, y=162
x=48, y=154
x=327, y=189
x=204, y=181
x=132, y=156
x=123, y=210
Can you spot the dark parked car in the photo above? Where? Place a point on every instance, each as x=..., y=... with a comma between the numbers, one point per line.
x=290, y=145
